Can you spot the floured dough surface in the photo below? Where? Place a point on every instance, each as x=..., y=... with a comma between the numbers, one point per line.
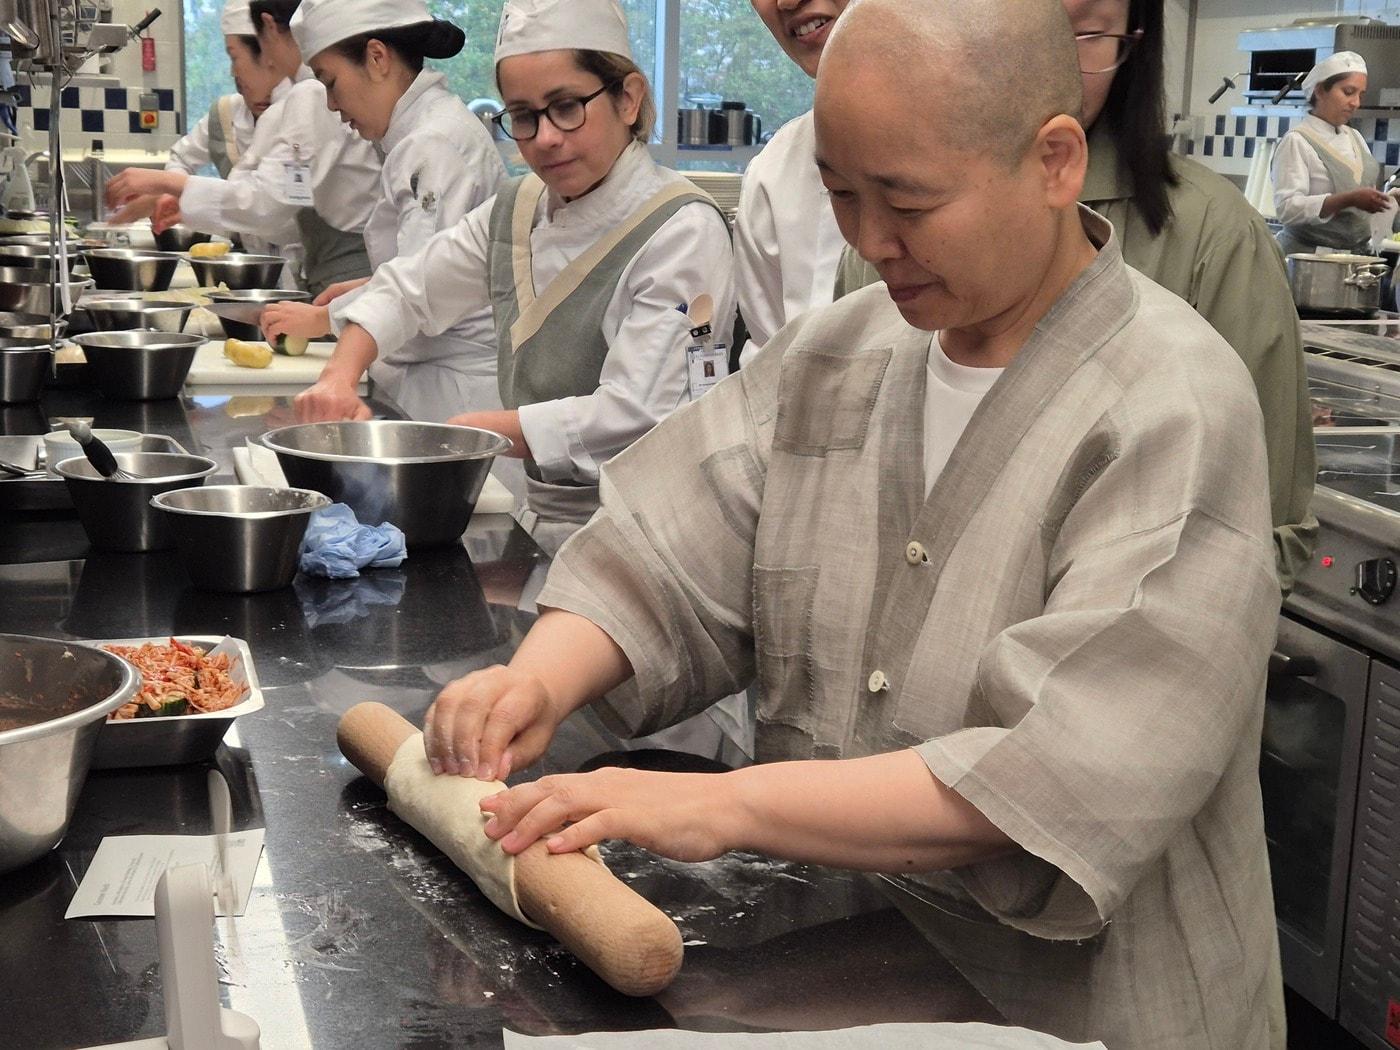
x=447, y=811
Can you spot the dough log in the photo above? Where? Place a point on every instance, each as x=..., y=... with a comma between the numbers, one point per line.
x=620, y=936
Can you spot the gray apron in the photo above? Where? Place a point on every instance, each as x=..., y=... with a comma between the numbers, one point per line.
x=223, y=144
x=1349, y=230
x=552, y=346
x=331, y=255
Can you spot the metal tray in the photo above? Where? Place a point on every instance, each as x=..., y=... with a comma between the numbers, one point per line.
x=174, y=740
x=52, y=493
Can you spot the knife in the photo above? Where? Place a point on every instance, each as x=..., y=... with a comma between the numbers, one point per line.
x=244, y=313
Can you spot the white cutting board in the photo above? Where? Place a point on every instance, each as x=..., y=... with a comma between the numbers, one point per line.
x=211, y=368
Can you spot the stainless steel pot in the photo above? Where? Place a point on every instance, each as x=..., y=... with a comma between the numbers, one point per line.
x=693, y=127
x=54, y=697
x=1336, y=282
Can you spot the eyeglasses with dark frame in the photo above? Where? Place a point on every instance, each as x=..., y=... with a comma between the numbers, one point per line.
x=1105, y=52
x=567, y=114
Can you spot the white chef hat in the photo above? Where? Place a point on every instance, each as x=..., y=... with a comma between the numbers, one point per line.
x=236, y=19
x=1341, y=62
x=528, y=26
x=319, y=24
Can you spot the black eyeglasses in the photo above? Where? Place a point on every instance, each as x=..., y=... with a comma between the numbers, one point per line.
x=567, y=114
x=1105, y=52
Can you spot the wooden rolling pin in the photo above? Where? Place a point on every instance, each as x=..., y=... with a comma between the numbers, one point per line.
x=616, y=933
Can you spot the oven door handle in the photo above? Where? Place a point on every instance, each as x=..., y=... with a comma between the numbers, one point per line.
x=1283, y=666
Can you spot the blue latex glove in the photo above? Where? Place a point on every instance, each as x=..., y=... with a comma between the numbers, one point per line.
x=338, y=546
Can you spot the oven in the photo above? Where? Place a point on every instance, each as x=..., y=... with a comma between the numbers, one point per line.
x=1329, y=766
x=1280, y=57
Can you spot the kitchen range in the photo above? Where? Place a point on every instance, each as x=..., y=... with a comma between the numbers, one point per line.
x=1330, y=766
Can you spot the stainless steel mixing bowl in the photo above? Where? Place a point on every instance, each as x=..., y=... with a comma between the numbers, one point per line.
x=254, y=298
x=25, y=326
x=123, y=313
x=238, y=270
x=54, y=697
x=26, y=290
x=131, y=269
x=37, y=256
x=423, y=477
x=139, y=366
x=117, y=515
x=239, y=538
x=180, y=239
x=25, y=365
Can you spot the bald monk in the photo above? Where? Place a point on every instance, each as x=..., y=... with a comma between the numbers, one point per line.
x=1008, y=607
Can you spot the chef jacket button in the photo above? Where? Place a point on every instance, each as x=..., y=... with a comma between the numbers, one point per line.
x=915, y=553
x=877, y=681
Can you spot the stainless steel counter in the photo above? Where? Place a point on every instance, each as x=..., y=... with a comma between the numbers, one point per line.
x=359, y=933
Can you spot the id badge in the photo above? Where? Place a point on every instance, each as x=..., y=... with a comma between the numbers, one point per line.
x=297, y=183
x=706, y=365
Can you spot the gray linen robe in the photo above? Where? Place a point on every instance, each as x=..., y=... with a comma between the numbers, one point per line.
x=1072, y=630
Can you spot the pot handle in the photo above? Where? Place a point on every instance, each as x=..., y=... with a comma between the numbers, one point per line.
x=1364, y=279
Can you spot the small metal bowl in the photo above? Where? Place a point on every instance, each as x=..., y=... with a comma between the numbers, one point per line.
x=131, y=269
x=35, y=256
x=180, y=239
x=117, y=515
x=139, y=365
x=239, y=271
x=120, y=314
x=423, y=477
x=28, y=290
x=239, y=538
x=25, y=365
x=56, y=696
x=25, y=326
x=252, y=331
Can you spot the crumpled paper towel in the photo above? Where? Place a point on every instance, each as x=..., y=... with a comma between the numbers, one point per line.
x=338, y=546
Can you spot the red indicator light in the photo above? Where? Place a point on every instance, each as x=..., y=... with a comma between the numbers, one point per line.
x=1327, y=561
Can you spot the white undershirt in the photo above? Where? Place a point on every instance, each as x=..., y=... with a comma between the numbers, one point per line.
x=951, y=396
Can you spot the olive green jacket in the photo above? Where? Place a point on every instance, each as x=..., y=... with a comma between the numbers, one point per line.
x=1218, y=255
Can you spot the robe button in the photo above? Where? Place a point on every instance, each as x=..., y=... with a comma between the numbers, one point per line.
x=915, y=553
x=877, y=682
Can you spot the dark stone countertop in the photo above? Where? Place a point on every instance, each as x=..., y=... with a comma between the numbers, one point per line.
x=359, y=933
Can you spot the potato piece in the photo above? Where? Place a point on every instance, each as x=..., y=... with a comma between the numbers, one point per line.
x=209, y=250
x=248, y=355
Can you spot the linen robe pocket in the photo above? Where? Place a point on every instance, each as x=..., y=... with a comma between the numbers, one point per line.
x=826, y=400
x=782, y=618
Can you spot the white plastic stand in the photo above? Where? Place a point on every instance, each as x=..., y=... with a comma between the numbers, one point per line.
x=194, y=1020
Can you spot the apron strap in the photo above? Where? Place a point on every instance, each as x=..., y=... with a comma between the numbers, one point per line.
x=522, y=221
x=1357, y=166
x=535, y=311
x=224, y=108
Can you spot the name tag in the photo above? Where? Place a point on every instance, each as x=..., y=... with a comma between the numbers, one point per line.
x=297, y=182
x=706, y=365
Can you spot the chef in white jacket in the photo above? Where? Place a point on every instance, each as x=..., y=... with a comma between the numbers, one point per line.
x=439, y=164
x=590, y=266
x=219, y=138
x=308, y=177
x=786, y=244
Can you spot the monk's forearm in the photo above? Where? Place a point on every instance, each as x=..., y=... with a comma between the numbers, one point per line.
x=574, y=659
x=884, y=813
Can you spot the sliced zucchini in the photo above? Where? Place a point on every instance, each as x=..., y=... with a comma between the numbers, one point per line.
x=291, y=345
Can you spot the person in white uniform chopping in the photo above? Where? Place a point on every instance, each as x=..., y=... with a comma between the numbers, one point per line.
x=308, y=177
x=786, y=244
x=589, y=264
x=1325, y=178
x=439, y=164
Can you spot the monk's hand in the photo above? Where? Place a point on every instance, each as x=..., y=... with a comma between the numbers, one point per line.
x=329, y=401
x=167, y=214
x=490, y=722
x=300, y=320
x=684, y=816
x=142, y=182
x=335, y=291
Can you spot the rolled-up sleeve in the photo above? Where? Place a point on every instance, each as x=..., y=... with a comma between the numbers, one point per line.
x=644, y=376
